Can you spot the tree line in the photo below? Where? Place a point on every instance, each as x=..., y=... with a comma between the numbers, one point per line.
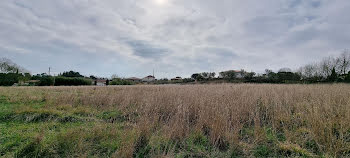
x=11, y=73
x=328, y=70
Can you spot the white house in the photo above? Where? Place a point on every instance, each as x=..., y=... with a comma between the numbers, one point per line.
x=149, y=78
x=100, y=82
x=176, y=79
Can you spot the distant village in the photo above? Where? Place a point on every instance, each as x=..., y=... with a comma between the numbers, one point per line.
x=72, y=78
x=147, y=79
x=329, y=70
x=12, y=74
x=151, y=79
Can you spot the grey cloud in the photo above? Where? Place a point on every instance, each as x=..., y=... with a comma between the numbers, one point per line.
x=147, y=50
x=184, y=36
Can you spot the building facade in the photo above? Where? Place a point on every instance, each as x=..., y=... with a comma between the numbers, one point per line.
x=149, y=78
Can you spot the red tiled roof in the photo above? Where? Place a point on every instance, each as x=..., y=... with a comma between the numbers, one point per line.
x=101, y=80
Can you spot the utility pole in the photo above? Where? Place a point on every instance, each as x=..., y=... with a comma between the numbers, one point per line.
x=54, y=79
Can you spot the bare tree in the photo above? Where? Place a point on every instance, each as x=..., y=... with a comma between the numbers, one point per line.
x=114, y=76
x=308, y=71
x=326, y=66
x=311, y=71
x=7, y=66
x=324, y=69
x=343, y=62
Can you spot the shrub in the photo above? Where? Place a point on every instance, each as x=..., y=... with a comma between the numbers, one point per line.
x=45, y=80
x=263, y=151
x=65, y=81
x=347, y=77
x=118, y=81
x=9, y=79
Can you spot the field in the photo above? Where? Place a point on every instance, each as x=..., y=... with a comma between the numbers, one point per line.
x=226, y=120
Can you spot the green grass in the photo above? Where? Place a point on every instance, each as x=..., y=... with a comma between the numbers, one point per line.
x=37, y=130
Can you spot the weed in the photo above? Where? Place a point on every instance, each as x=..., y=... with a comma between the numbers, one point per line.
x=292, y=150
x=141, y=147
x=112, y=116
x=263, y=151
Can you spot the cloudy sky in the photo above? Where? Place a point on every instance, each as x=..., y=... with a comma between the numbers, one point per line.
x=174, y=37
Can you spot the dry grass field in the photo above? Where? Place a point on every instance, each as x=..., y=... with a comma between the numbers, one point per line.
x=226, y=120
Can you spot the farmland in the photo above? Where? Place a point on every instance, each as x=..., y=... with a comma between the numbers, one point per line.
x=220, y=120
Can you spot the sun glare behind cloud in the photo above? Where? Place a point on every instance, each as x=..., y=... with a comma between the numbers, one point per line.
x=160, y=2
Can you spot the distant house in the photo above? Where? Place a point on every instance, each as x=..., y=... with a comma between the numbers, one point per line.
x=100, y=82
x=134, y=79
x=149, y=78
x=177, y=79
x=239, y=73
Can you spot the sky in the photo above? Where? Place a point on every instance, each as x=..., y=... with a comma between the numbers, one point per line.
x=131, y=38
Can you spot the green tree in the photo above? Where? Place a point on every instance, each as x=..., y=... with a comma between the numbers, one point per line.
x=194, y=76
x=347, y=77
x=229, y=75
x=8, y=79
x=284, y=77
x=45, y=80
x=200, y=78
x=119, y=81
x=187, y=80
x=272, y=77
x=93, y=77
x=72, y=81
x=25, y=77
x=71, y=74
x=249, y=75
x=207, y=75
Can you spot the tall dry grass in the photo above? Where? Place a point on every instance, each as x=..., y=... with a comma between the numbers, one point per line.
x=319, y=114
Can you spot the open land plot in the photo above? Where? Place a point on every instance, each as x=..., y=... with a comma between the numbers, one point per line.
x=226, y=120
